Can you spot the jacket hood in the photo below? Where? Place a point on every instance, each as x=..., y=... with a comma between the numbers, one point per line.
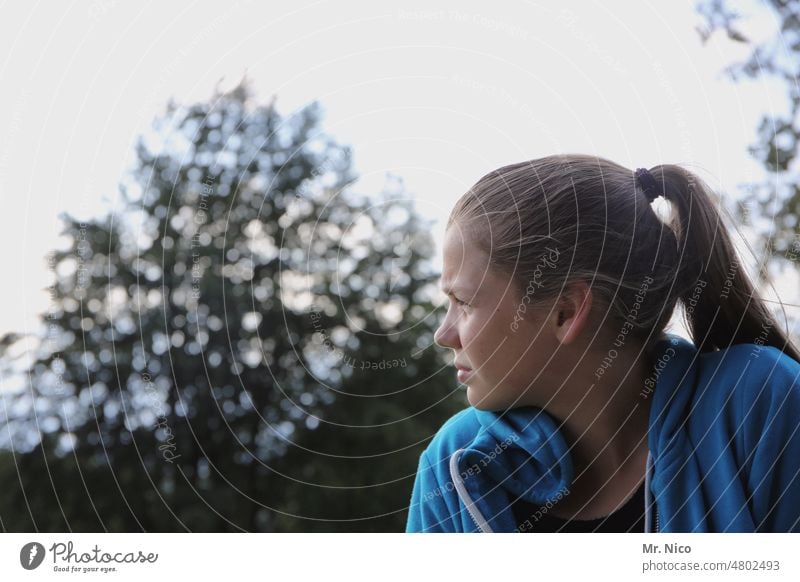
x=516, y=453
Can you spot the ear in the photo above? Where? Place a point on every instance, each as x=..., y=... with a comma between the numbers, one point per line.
x=572, y=311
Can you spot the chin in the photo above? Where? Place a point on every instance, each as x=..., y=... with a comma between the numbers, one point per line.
x=482, y=401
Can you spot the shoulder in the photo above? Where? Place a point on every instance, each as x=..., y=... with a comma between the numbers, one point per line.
x=752, y=365
x=434, y=505
x=755, y=380
x=455, y=433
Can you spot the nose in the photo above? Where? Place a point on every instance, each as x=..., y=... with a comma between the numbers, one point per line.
x=447, y=334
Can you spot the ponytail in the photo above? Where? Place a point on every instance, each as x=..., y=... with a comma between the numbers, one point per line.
x=721, y=304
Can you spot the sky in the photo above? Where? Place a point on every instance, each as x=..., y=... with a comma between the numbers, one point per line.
x=439, y=93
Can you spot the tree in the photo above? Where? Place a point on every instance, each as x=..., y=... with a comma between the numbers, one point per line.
x=246, y=346
x=777, y=198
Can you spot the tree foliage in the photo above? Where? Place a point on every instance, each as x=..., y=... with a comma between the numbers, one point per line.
x=246, y=346
x=777, y=198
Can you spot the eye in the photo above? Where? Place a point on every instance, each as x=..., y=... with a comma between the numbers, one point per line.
x=451, y=298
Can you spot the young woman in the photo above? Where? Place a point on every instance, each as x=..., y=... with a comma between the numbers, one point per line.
x=585, y=415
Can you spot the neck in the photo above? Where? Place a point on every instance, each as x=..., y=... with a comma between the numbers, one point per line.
x=606, y=427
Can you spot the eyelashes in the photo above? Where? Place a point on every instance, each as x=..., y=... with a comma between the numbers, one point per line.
x=453, y=299
x=460, y=303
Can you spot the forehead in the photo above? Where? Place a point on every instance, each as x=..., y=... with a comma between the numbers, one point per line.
x=465, y=264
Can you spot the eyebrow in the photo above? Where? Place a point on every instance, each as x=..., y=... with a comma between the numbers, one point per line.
x=452, y=290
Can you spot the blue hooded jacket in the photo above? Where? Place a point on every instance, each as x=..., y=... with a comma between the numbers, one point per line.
x=724, y=451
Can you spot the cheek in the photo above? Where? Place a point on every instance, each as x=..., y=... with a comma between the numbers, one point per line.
x=471, y=337
x=514, y=354
x=485, y=340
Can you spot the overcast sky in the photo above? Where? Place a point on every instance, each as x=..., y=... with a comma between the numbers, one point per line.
x=437, y=92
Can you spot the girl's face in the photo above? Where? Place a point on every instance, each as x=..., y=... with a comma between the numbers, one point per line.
x=501, y=340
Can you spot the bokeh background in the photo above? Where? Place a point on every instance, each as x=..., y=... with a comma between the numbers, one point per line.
x=222, y=226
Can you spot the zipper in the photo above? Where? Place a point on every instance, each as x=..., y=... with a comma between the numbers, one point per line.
x=472, y=509
x=650, y=505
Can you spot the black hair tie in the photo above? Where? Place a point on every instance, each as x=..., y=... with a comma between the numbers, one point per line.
x=648, y=183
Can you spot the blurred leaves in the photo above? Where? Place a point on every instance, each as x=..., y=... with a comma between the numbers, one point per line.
x=246, y=347
x=777, y=199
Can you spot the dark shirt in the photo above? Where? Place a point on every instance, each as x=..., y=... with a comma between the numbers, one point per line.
x=530, y=517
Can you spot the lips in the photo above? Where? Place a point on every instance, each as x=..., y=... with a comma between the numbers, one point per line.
x=463, y=373
x=461, y=366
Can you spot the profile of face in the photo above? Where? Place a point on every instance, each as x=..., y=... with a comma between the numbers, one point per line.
x=508, y=347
